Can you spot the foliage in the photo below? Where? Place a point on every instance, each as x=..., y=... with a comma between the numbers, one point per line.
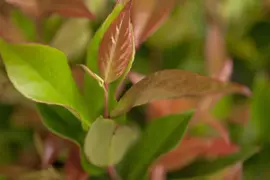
x=134, y=89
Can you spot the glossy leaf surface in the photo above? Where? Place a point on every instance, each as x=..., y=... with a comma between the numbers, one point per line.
x=42, y=74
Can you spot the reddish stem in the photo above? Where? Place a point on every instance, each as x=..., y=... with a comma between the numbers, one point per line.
x=113, y=174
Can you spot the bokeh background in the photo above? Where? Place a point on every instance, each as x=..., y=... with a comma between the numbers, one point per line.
x=199, y=36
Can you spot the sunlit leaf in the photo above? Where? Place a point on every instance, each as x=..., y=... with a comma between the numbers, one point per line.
x=117, y=47
x=169, y=84
x=42, y=74
x=159, y=137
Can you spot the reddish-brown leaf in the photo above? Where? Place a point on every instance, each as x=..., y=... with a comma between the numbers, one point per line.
x=52, y=148
x=158, y=173
x=159, y=15
x=172, y=84
x=192, y=148
x=184, y=154
x=215, y=50
x=117, y=47
x=147, y=16
x=73, y=169
x=40, y=8
x=9, y=31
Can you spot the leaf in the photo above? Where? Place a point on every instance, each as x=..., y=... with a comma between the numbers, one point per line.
x=93, y=75
x=72, y=38
x=92, y=58
x=9, y=31
x=258, y=126
x=42, y=74
x=147, y=16
x=63, y=123
x=73, y=169
x=123, y=137
x=40, y=8
x=105, y=143
x=169, y=84
x=117, y=47
x=159, y=137
x=155, y=12
x=204, y=167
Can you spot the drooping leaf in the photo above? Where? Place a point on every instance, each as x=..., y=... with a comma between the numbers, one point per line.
x=204, y=167
x=168, y=84
x=105, y=143
x=92, y=63
x=117, y=47
x=40, y=8
x=159, y=137
x=42, y=74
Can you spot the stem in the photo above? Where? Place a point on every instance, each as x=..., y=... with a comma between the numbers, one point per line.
x=113, y=174
x=106, y=100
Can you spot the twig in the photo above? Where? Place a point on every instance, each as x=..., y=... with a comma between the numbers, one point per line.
x=113, y=174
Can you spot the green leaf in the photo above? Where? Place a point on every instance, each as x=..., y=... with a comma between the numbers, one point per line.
x=258, y=127
x=92, y=89
x=204, y=167
x=63, y=123
x=42, y=74
x=121, y=141
x=160, y=136
x=98, y=141
x=106, y=143
x=117, y=47
x=169, y=84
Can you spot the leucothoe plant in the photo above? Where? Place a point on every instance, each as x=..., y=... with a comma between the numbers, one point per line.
x=96, y=121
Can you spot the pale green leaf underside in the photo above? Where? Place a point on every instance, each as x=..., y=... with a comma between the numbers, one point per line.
x=105, y=143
